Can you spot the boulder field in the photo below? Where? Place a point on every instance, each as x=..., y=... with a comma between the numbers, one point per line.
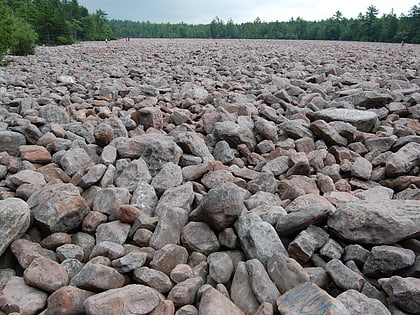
x=166, y=176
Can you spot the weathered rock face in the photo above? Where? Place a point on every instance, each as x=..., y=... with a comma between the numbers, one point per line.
x=210, y=177
x=377, y=223
x=15, y=217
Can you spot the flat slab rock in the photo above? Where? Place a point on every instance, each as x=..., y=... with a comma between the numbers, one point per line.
x=363, y=120
x=377, y=223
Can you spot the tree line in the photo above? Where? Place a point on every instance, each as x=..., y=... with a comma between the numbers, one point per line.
x=27, y=23
x=366, y=27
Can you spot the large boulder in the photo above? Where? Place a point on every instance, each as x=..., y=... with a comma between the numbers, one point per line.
x=376, y=223
x=15, y=219
x=58, y=207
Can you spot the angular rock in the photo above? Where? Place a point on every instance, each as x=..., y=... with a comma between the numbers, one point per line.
x=15, y=217
x=35, y=154
x=184, y=293
x=221, y=206
x=214, y=302
x=258, y=239
x=404, y=292
x=137, y=171
x=326, y=132
x=155, y=149
x=131, y=299
x=241, y=291
x=365, y=121
x=21, y=298
x=97, y=278
x=144, y=198
x=304, y=211
x=58, y=207
x=169, y=227
x=155, y=279
x=262, y=286
x=234, y=134
x=361, y=168
x=169, y=176
x=109, y=200
x=181, y=197
x=69, y=251
x=11, y=141
x=45, y=274
x=383, y=261
x=130, y=262
x=220, y=267
x=376, y=223
x=67, y=301
x=286, y=272
x=309, y=298
x=359, y=304
x=115, y=231
x=169, y=256
x=402, y=161
x=306, y=243
x=198, y=236
x=75, y=160
x=343, y=276
x=107, y=249
x=26, y=251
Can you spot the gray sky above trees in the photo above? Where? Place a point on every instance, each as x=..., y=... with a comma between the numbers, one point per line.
x=204, y=11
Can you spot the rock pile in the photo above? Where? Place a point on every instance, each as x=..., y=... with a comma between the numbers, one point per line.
x=211, y=177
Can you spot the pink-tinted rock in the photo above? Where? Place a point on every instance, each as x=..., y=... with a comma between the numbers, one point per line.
x=131, y=299
x=67, y=301
x=46, y=275
x=214, y=302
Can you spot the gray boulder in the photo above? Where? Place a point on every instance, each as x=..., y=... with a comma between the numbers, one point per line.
x=376, y=223
x=365, y=121
x=15, y=218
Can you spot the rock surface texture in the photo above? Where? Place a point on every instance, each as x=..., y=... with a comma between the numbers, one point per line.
x=211, y=177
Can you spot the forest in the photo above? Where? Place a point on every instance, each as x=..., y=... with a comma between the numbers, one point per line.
x=27, y=23
x=369, y=26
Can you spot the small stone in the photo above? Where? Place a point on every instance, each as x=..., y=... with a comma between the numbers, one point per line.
x=130, y=262
x=184, y=293
x=181, y=272
x=361, y=168
x=97, y=278
x=220, y=267
x=213, y=302
x=169, y=256
x=35, y=154
x=107, y=249
x=169, y=176
x=70, y=251
x=128, y=213
x=153, y=278
x=198, y=236
x=115, y=231
x=221, y=206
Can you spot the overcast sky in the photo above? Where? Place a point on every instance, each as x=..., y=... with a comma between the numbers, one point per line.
x=204, y=11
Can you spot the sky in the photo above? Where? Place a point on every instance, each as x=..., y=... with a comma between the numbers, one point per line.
x=204, y=11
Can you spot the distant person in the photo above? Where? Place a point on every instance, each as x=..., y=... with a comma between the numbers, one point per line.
x=402, y=43
x=106, y=40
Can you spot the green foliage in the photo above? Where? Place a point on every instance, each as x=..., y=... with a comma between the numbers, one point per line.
x=16, y=35
x=48, y=22
x=366, y=27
